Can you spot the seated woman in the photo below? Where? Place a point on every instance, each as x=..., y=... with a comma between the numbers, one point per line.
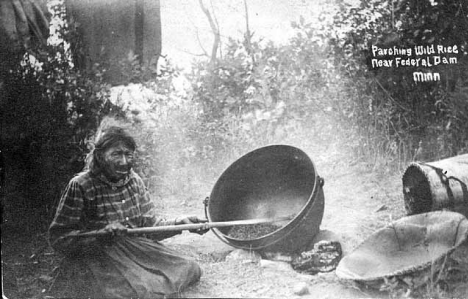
x=110, y=196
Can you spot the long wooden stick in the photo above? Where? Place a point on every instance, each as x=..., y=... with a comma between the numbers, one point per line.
x=172, y=228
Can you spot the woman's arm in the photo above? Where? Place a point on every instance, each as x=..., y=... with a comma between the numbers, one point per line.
x=67, y=222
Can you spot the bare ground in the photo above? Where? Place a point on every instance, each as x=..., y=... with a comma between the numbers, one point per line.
x=358, y=201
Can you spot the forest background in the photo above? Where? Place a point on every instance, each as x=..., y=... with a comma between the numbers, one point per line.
x=316, y=91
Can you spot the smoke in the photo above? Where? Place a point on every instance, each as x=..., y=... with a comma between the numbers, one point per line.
x=177, y=159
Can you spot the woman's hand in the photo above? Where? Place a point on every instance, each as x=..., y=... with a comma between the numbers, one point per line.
x=193, y=220
x=115, y=229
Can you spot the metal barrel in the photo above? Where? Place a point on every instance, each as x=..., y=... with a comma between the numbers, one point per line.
x=437, y=185
x=272, y=181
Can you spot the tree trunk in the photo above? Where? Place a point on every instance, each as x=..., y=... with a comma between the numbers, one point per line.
x=114, y=30
x=215, y=30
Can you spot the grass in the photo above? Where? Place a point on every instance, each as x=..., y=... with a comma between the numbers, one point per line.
x=436, y=282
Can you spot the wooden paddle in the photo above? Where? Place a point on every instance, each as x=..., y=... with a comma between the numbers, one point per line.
x=181, y=227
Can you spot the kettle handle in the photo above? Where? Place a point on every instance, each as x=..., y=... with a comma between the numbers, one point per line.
x=321, y=181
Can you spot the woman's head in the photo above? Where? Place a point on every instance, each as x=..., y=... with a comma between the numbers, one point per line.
x=113, y=153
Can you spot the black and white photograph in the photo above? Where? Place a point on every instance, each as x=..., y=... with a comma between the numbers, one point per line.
x=234, y=149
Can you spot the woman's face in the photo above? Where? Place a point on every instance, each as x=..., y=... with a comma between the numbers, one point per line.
x=118, y=161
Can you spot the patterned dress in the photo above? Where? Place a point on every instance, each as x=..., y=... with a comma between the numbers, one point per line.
x=114, y=267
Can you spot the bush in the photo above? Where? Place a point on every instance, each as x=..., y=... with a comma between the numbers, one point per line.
x=263, y=94
x=393, y=114
x=49, y=111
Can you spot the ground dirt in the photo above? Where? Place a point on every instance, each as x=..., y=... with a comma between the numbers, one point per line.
x=358, y=201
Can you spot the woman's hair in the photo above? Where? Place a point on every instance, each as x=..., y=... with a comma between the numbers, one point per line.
x=108, y=138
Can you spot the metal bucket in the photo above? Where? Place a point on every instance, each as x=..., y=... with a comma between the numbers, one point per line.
x=273, y=181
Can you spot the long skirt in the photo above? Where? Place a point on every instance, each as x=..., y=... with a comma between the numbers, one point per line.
x=128, y=268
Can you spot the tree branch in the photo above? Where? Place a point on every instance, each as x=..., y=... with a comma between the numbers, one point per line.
x=248, y=35
x=214, y=29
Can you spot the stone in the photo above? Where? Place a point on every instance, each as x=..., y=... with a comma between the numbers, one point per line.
x=300, y=289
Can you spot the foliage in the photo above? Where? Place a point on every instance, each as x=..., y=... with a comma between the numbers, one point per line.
x=49, y=111
x=262, y=94
x=392, y=112
x=312, y=92
x=320, y=85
